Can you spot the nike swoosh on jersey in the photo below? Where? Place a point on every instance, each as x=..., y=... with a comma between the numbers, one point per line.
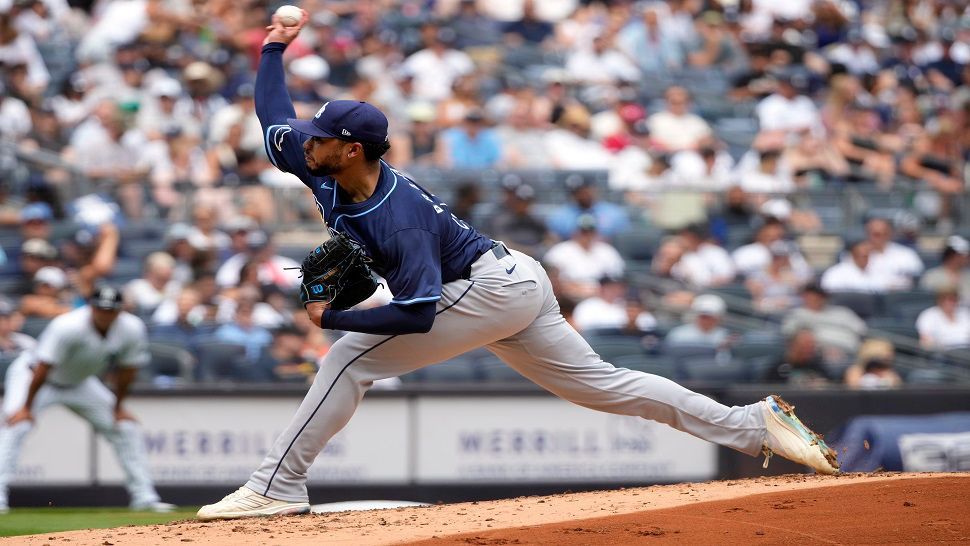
x=511, y=269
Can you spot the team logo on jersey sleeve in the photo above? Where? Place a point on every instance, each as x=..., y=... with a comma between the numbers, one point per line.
x=278, y=135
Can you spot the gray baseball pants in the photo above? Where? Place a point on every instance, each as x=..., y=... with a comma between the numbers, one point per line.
x=507, y=306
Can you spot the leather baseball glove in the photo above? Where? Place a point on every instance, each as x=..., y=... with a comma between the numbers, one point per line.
x=338, y=273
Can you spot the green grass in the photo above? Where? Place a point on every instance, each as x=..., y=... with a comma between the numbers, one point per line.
x=30, y=521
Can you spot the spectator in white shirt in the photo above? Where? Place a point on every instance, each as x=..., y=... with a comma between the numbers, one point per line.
x=775, y=288
x=856, y=55
x=601, y=64
x=610, y=310
x=676, y=128
x=15, y=122
x=144, y=295
x=763, y=169
x=853, y=274
x=18, y=48
x=584, y=259
x=838, y=329
x=896, y=264
x=754, y=257
x=436, y=67
x=945, y=325
x=787, y=109
x=203, y=234
x=271, y=268
x=713, y=263
x=873, y=367
x=569, y=146
x=707, y=169
x=954, y=269
x=704, y=327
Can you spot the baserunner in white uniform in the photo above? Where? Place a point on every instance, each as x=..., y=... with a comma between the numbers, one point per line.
x=454, y=290
x=63, y=368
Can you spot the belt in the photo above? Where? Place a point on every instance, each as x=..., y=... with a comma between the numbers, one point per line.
x=497, y=248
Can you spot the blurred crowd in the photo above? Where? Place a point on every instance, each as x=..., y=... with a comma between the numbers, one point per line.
x=708, y=117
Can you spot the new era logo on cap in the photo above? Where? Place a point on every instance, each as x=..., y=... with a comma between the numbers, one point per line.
x=346, y=120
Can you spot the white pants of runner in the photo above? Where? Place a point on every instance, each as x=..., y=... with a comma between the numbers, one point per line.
x=92, y=401
x=516, y=316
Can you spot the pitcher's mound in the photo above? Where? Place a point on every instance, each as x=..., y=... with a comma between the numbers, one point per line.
x=795, y=509
x=909, y=511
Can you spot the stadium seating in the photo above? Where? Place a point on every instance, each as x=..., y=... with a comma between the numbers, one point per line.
x=171, y=361
x=749, y=350
x=611, y=348
x=222, y=361
x=906, y=305
x=33, y=326
x=864, y=304
x=638, y=245
x=137, y=248
x=711, y=371
x=687, y=351
x=5, y=362
x=892, y=326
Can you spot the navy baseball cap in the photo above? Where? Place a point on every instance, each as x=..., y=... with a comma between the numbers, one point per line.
x=349, y=120
x=106, y=297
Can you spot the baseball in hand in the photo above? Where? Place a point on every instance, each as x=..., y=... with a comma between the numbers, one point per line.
x=289, y=16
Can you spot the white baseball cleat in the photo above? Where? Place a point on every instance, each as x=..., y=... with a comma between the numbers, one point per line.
x=153, y=506
x=246, y=503
x=788, y=437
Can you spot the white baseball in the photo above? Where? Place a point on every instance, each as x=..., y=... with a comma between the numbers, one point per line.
x=289, y=16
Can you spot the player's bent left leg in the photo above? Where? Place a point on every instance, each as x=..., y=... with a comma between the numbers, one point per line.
x=16, y=384
x=93, y=401
x=495, y=304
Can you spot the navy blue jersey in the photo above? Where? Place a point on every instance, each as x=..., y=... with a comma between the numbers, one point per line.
x=416, y=243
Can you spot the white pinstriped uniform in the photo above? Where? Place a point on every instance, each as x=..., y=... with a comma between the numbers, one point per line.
x=78, y=354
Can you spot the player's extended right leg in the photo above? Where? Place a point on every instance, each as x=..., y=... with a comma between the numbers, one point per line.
x=246, y=503
x=552, y=354
x=496, y=302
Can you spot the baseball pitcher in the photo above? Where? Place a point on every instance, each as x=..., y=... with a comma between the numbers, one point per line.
x=454, y=290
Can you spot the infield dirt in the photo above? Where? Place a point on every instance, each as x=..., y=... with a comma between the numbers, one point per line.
x=877, y=508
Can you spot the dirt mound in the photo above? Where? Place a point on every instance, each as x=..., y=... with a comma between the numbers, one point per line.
x=912, y=511
x=869, y=508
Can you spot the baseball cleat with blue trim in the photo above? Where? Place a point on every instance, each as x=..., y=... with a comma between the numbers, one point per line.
x=791, y=439
x=246, y=503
